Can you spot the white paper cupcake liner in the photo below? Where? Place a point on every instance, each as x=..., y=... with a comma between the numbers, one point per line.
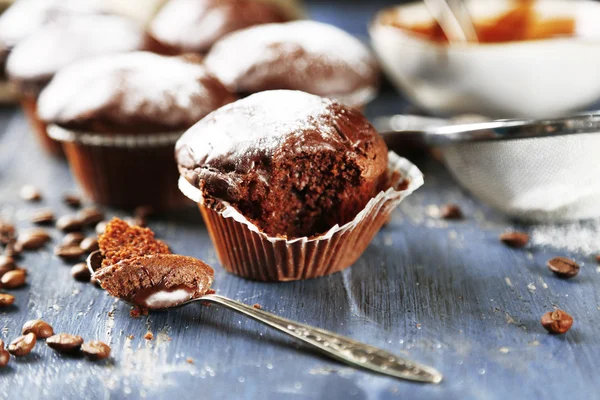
x=246, y=251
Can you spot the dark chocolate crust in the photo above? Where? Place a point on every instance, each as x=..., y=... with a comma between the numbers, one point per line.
x=309, y=56
x=293, y=163
x=189, y=25
x=137, y=92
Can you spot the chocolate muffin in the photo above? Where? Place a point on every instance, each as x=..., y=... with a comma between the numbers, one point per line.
x=302, y=55
x=195, y=25
x=67, y=39
x=118, y=117
x=293, y=163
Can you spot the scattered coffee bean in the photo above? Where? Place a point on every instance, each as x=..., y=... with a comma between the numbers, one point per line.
x=6, y=300
x=30, y=193
x=451, y=211
x=70, y=252
x=4, y=358
x=73, y=238
x=96, y=350
x=32, y=239
x=101, y=227
x=90, y=216
x=13, y=279
x=7, y=263
x=39, y=328
x=13, y=249
x=563, y=267
x=515, y=239
x=22, y=345
x=89, y=244
x=42, y=217
x=7, y=232
x=81, y=273
x=69, y=223
x=598, y=258
x=72, y=200
x=557, y=321
x=65, y=343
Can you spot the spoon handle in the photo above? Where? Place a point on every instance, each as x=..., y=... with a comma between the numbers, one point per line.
x=339, y=347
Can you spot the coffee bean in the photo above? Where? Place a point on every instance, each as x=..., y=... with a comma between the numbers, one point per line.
x=81, y=273
x=515, y=239
x=72, y=200
x=451, y=211
x=563, y=267
x=39, y=328
x=69, y=223
x=89, y=244
x=70, y=252
x=6, y=300
x=32, y=239
x=13, y=279
x=598, y=258
x=30, y=193
x=95, y=350
x=101, y=227
x=7, y=263
x=557, y=321
x=4, y=358
x=7, y=232
x=90, y=216
x=42, y=217
x=73, y=238
x=65, y=343
x=22, y=345
x=13, y=250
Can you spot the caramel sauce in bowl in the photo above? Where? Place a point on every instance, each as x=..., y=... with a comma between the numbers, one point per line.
x=533, y=59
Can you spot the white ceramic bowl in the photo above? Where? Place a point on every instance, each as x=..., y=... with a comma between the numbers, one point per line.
x=517, y=79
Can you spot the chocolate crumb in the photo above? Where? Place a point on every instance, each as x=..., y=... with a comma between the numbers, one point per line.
x=515, y=240
x=149, y=336
x=130, y=337
x=189, y=360
x=257, y=306
x=135, y=312
x=30, y=193
x=451, y=211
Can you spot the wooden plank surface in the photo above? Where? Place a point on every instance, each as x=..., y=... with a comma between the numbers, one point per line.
x=447, y=294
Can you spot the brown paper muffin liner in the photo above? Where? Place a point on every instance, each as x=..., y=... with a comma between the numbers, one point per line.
x=29, y=105
x=124, y=171
x=246, y=251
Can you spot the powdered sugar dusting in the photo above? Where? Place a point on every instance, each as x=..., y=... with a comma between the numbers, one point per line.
x=72, y=38
x=26, y=16
x=261, y=121
x=582, y=236
x=167, y=88
x=266, y=50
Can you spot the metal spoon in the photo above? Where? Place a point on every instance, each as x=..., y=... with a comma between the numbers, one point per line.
x=439, y=132
x=338, y=347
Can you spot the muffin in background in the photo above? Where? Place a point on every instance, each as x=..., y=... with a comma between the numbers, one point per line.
x=309, y=56
x=291, y=185
x=118, y=117
x=66, y=39
x=21, y=19
x=193, y=26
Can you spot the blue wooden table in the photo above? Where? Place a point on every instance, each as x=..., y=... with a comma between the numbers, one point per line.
x=447, y=294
